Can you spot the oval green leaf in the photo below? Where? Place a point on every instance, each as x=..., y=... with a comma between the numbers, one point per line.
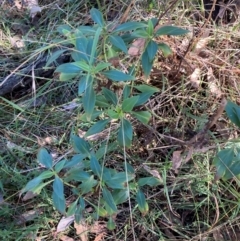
x=98, y=127
x=97, y=17
x=110, y=96
x=45, y=158
x=117, y=75
x=142, y=203
x=142, y=116
x=129, y=103
x=107, y=196
x=170, y=30
x=118, y=42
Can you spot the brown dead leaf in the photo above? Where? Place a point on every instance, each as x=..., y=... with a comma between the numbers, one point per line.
x=64, y=223
x=137, y=47
x=29, y=195
x=82, y=230
x=28, y=216
x=154, y=173
x=176, y=160
x=100, y=237
x=217, y=235
x=114, y=61
x=195, y=78
x=213, y=84
x=66, y=238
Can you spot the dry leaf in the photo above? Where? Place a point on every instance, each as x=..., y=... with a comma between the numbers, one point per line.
x=82, y=230
x=64, y=223
x=29, y=195
x=217, y=235
x=176, y=160
x=212, y=84
x=98, y=227
x=195, y=78
x=100, y=237
x=154, y=173
x=137, y=47
x=66, y=238
x=27, y=216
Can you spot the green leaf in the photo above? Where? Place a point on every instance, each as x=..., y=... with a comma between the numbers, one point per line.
x=107, y=196
x=129, y=26
x=77, y=175
x=101, y=212
x=88, y=185
x=125, y=133
x=83, y=83
x=120, y=196
x=60, y=165
x=59, y=203
x=142, y=203
x=150, y=181
x=80, y=145
x=79, y=211
x=88, y=100
x=97, y=17
x=101, y=101
x=100, y=67
x=165, y=49
x=141, y=33
x=46, y=174
x=170, y=30
x=129, y=168
x=76, y=160
x=54, y=56
x=152, y=49
x=38, y=189
x=95, y=114
x=72, y=208
x=223, y=161
x=69, y=68
x=233, y=112
x=83, y=66
x=146, y=63
x=142, y=116
x=117, y=75
x=65, y=76
x=118, y=42
x=119, y=180
x=87, y=30
x=81, y=50
x=143, y=98
x=58, y=187
x=98, y=127
x=110, y=96
x=129, y=103
x=45, y=158
x=78, y=215
x=126, y=91
x=233, y=170
x=113, y=114
x=64, y=29
x=95, y=166
x=150, y=28
x=146, y=88
x=32, y=184
x=111, y=224
x=92, y=46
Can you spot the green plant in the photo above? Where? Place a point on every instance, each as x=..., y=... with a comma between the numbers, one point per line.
x=227, y=161
x=85, y=173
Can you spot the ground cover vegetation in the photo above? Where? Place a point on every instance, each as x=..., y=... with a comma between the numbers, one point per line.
x=119, y=120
